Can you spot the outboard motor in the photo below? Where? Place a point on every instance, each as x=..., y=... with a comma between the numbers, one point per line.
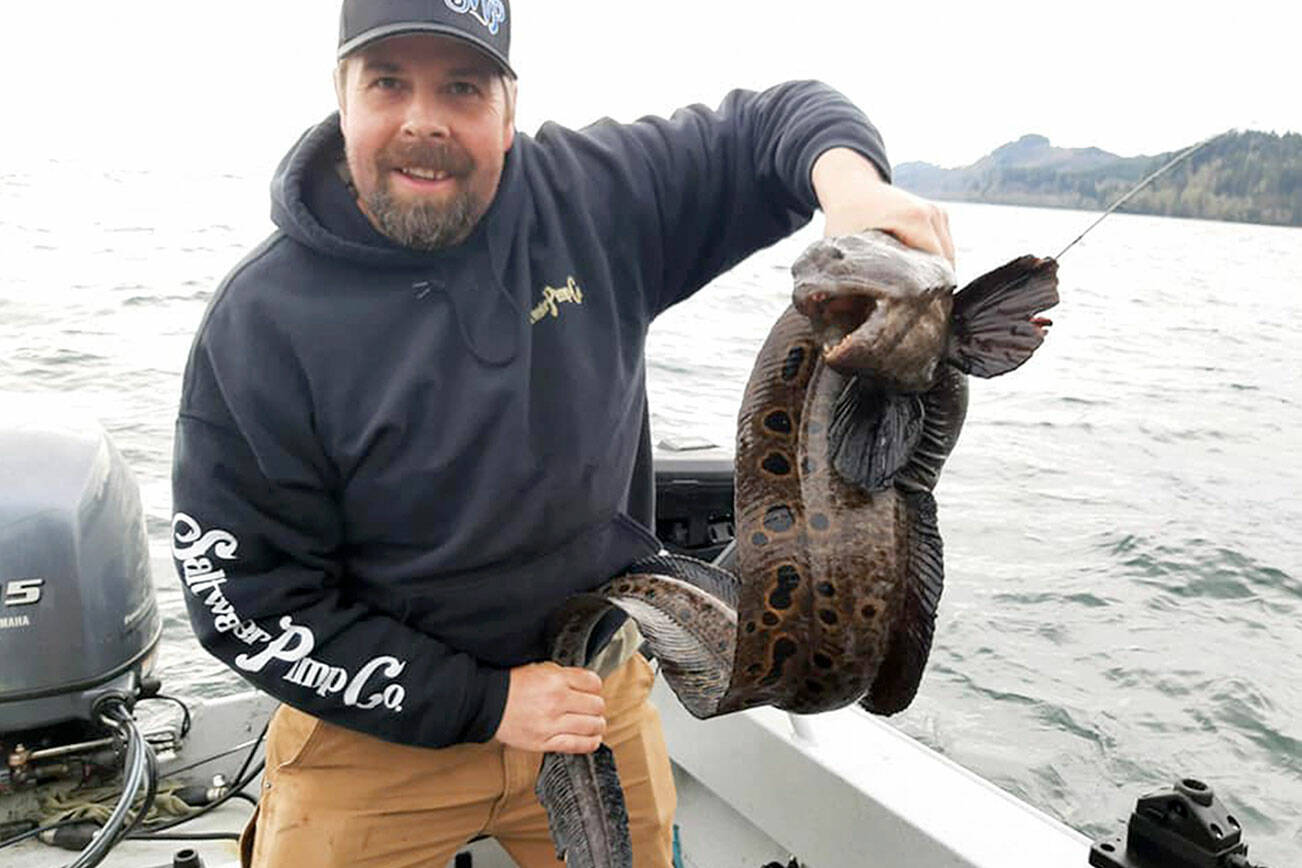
x=78, y=621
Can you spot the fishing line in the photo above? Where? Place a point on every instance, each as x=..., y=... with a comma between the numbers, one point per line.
x=1178, y=158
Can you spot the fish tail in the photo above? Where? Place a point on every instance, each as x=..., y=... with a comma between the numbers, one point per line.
x=995, y=324
x=585, y=809
x=694, y=634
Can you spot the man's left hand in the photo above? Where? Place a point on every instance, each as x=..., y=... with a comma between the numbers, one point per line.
x=854, y=198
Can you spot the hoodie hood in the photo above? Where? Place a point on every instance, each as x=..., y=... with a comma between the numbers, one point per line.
x=311, y=204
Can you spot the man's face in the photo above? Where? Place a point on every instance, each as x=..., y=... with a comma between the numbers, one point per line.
x=427, y=123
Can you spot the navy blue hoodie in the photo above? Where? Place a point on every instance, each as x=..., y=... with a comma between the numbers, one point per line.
x=390, y=465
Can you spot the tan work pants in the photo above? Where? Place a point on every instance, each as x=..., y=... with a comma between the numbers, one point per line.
x=335, y=797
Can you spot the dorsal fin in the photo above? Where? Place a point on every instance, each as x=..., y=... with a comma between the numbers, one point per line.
x=910, y=643
x=707, y=577
x=944, y=408
x=691, y=631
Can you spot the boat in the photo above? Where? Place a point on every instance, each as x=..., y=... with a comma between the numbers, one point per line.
x=756, y=788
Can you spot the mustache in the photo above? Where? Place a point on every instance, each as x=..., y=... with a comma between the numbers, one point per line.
x=440, y=157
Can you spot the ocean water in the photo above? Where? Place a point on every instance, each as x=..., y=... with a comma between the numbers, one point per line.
x=1121, y=516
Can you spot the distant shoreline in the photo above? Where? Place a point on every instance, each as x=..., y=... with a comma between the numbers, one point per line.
x=1238, y=177
x=1125, y=209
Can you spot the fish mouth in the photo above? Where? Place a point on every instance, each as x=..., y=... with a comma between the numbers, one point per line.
x=843, y=320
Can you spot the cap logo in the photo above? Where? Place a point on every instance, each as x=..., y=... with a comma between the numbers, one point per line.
x=490, y=13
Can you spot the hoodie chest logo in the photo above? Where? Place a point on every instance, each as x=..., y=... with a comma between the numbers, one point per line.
x=552, y=298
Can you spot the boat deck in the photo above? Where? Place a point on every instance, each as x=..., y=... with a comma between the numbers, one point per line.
x=835, y=789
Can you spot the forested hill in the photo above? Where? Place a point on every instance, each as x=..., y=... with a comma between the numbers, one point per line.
x=1250, y=177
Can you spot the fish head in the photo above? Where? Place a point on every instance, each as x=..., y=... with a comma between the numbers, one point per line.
x=877, y=307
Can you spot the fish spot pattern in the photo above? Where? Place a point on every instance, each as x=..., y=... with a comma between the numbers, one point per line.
x=777, y=464
x=788, y=581
x=818, y=521
x=783, y=650
x=759, y=539
x=779, y=519
x=827, y=616
x=779, y=422
x=826, y=589
x=780, y=599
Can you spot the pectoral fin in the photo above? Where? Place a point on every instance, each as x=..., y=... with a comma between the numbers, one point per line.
x=910, y=643
x=872, y=434
x=995, y=324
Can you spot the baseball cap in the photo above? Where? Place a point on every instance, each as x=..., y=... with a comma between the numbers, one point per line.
x=485, y=24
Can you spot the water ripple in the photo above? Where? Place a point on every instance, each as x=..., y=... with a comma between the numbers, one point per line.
x=1197, y=568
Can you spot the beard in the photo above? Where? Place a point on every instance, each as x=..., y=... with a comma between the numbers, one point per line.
x=425, y=225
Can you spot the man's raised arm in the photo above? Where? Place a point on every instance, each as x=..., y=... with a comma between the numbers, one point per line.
x=726, y=182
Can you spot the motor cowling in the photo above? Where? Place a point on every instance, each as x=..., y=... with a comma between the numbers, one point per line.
x=78, y=617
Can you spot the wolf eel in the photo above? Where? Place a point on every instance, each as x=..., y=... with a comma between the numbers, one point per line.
x=854, y=402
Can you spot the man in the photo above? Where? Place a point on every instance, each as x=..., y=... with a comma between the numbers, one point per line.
x=414, y=421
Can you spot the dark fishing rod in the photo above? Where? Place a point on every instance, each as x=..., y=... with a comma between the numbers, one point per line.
x=1173, y=162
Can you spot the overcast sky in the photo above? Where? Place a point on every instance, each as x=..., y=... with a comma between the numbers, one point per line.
x=233, y=82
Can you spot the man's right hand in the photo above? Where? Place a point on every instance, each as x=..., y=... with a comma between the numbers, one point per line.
x=553, y=708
